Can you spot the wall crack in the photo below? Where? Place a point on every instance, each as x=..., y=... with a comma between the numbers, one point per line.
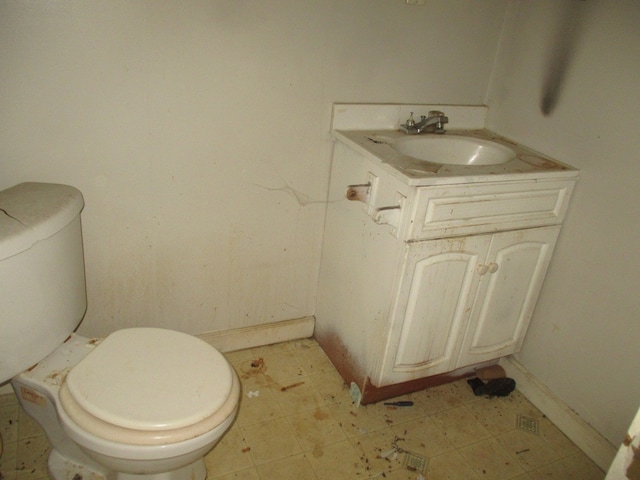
x=302, y=198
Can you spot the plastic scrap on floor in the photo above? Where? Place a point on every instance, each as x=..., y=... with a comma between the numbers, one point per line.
x=356, y=394
x=377, y=475
x=255, y=393
x=390, y=454
x=498, y=387
x=414, y=462
x=528, y=424
x=411, y=461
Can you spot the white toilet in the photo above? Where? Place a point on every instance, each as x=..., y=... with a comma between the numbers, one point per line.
x=142, y=403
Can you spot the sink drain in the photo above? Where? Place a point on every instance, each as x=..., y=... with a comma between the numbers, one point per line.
x=527, y=424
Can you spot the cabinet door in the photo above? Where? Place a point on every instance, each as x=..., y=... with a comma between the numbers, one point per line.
x=433, y=307
x=512, y=276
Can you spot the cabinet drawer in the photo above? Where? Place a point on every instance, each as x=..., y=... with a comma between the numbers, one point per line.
x=454, y=210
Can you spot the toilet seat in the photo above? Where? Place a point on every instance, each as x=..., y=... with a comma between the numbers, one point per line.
x=150, y=386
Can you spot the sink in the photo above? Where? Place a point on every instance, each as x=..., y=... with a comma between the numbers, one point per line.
x=454, y=150
x=430, y=159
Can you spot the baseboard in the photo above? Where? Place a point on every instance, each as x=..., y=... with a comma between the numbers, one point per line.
x=247, y=337
x=594, y=445
x=258, y=335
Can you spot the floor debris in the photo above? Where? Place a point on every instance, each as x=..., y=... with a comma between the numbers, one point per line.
x=389, y=453
x=258, y=363
x=411, y=461
x=414, y=462
x=253, y=369
x=289, y=387
x=499, y=387
x=403, y=403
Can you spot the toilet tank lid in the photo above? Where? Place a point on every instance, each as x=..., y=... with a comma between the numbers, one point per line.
x=31, y=212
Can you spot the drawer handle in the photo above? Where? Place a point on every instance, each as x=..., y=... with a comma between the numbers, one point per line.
x=387, y=215
x=493, y=267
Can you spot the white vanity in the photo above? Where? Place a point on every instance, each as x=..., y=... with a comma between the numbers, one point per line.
x=431, y=267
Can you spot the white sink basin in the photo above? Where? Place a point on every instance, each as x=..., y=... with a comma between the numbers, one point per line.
x=454, y=150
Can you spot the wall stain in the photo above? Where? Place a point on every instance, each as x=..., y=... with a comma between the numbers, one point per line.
x=561, y=54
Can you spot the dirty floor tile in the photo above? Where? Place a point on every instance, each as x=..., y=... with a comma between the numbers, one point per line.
x=297, y=420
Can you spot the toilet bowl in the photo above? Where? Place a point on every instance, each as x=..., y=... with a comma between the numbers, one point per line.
x=144, y=403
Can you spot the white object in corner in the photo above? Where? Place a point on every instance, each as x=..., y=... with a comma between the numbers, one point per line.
x=627, y=459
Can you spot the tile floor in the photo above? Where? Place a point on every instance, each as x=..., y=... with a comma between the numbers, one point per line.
x=297, y=421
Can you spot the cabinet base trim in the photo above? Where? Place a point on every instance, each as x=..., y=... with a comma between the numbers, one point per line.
x=352, y=372
x=373, y=394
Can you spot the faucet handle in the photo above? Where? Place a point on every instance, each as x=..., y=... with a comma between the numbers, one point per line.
x=410, y=121
x=436, y=113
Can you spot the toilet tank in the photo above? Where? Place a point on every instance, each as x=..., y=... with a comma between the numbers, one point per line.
x=42, y=280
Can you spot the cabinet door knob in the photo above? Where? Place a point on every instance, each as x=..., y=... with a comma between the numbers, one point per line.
x=493, y=267
x=482, y=269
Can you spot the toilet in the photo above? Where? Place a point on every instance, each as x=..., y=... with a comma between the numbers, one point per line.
x=139, y=404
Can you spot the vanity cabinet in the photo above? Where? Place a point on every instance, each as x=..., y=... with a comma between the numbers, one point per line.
x=419, y=280
x=462, y=301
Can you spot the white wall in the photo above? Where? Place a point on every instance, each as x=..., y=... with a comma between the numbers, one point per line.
x=580, y=61
x=198, y=132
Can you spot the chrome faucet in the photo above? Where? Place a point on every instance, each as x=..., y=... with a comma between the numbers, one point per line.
x=432, y=123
